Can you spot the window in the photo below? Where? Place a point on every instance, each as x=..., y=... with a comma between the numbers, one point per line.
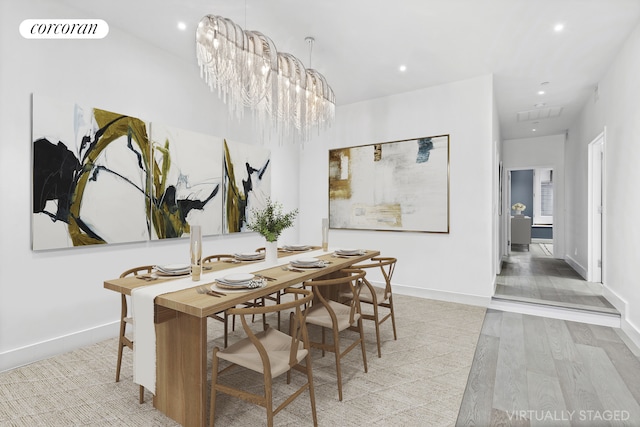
x=543, y=196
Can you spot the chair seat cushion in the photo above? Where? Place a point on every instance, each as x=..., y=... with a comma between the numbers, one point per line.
x=365, y=294
x=276, y=343
x=318, y=315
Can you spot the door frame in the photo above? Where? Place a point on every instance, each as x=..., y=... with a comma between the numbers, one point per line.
x=596, y=197
x=507, y=207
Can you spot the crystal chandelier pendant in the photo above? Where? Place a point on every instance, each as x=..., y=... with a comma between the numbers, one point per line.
x=247, y=71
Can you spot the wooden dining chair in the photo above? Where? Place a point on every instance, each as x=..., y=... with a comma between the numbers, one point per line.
x=270, y=353
x=337, y=317
x=126, y=319
x=377, y=296
x=223, y=316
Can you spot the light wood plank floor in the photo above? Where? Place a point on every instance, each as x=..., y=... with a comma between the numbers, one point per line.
x=530, y=371
x=535, y=276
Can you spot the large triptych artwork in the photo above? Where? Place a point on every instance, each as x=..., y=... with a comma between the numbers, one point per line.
x=102, y=177
x=398, y=186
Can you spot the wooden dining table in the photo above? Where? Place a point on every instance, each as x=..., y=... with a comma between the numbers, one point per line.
x=181, y=327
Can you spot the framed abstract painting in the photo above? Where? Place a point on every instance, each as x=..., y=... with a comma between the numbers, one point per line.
x=90, y=176
x=391, y=186
x=187, y=182
x=247, y=183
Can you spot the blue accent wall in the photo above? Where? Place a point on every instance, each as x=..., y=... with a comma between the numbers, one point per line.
x=542, y=232
x=522, y=190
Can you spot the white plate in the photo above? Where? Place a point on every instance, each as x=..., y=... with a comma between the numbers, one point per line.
x=174, y=267
x=250, y=256
x=238, y=277
x=307, y=261
x=297, y=247
x=349, y=251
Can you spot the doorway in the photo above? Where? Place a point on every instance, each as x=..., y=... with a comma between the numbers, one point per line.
x=533, y=190
x=595, y=204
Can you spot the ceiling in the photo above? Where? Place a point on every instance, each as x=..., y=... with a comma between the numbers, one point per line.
x=360, y=45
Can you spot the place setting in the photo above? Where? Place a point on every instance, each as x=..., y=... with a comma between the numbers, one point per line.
x=307, y=263
x=239, y=282
x=166, y=271
x=295, y=248
x=171, y=270
x=343, y=253
x=249, y=256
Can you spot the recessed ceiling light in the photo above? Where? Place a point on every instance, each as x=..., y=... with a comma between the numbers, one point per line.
x=182, y=26
x=403, y=68
x=558, y=27
x=533, y=130
x=540, y=92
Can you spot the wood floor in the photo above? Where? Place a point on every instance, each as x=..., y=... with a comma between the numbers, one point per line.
x=531, y=370
x=538, y=371
x=534, y=275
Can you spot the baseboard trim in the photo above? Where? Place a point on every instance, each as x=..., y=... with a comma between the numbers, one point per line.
x=576, y=266
x=455, y=297
x=632, y=331
x=34, y=352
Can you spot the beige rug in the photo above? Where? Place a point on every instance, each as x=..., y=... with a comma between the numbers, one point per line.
x=420, y=380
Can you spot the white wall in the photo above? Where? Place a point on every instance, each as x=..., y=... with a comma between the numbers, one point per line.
x=541, y=152
x=616, y=107
x=456, y=266
x=52, y=301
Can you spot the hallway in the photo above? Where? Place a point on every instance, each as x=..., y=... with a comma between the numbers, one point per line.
x=535, y=276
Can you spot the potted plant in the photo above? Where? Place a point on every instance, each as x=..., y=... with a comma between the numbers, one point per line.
x=270, y=221
x=519, y=208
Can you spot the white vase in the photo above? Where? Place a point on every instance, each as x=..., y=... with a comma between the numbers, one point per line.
x=271, y=253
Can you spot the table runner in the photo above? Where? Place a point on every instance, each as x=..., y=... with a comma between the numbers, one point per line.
x=142, y=307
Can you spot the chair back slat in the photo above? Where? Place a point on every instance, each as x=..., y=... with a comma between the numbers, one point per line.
x=387, y=266
x=298, y=328
x=353, y=277
x=217, y=257
x=145, y=269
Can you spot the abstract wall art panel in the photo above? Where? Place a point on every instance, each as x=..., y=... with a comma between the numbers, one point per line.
x=90, y=176
x=247, y=173
x=187, y=182
x=396, y=186
x=101, y=177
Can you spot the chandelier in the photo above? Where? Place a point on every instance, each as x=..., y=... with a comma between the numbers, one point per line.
x=247, y=71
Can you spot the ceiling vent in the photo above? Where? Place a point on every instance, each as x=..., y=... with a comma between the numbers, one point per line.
x=539, y=114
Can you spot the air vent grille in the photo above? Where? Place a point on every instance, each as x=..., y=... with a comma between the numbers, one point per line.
x=539, y=114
